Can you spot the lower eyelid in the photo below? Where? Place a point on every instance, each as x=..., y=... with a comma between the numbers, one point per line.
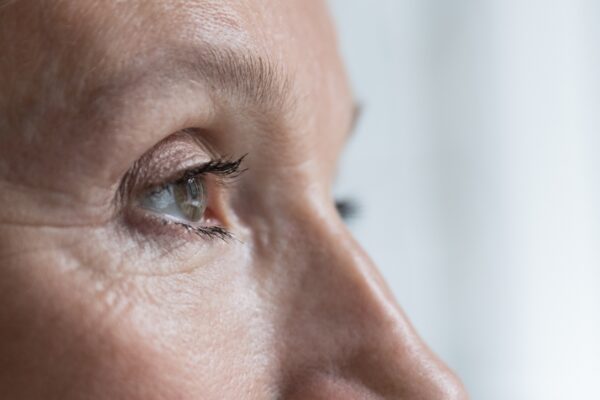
x=149, y=227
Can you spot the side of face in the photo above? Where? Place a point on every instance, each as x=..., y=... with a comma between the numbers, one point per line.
x=104, y=104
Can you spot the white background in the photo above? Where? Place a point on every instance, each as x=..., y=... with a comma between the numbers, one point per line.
x=477, y=165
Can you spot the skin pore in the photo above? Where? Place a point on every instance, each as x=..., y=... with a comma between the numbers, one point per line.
x=104, y=103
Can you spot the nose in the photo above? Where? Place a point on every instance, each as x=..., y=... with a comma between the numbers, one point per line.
x=345, y=336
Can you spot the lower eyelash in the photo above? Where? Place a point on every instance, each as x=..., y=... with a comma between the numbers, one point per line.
x=208, y=232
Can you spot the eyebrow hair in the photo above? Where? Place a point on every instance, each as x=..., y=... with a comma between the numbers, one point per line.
x=256, y=79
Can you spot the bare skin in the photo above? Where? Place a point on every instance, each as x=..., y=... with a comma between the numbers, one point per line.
x=105, y=299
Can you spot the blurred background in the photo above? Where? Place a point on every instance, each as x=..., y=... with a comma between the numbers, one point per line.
x=477, y=167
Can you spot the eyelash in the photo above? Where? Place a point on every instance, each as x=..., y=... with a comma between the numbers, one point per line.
x=348, y=208
x=222, y=168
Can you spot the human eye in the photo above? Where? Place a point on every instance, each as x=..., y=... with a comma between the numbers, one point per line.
x=178, y=188
x=185, y=200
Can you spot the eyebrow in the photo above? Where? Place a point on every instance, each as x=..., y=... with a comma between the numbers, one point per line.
x=252, y=78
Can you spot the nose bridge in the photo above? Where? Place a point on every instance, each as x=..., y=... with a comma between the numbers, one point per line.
x=345, y=318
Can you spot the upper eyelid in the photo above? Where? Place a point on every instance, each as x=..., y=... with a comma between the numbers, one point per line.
x=164, y=164
x=220, y=167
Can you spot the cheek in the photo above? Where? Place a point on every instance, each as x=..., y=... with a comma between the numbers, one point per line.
x=85, y=333
x=57, y=342
x=214, y=330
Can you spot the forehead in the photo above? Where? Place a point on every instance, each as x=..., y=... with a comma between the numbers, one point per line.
x=288, y=31
x=295, y=35
x=279, y=27
x=82, y=45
